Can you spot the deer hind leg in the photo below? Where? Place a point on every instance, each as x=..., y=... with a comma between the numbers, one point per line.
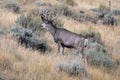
x=63, y=50
x=81, y=49
x=59, y=46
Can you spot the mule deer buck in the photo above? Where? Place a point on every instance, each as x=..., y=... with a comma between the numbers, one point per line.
x=65, y=38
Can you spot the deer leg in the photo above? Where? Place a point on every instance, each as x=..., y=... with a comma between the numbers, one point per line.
x=82, y=52
x=59, y=45
x=83, y=55
x=63, y=50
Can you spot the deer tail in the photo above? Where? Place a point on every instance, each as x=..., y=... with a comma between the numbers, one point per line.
x=85, y=42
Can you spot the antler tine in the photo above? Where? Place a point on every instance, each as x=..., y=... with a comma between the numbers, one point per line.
x=49, y=14
x=43, y=13
x=55, y=15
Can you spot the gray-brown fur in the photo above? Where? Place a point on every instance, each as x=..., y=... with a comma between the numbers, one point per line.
x=65, y=38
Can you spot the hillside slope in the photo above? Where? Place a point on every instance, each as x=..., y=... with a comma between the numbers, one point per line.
x=20, y=63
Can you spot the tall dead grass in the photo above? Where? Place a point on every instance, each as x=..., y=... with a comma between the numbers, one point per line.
x=19, y=63
x=7, y=18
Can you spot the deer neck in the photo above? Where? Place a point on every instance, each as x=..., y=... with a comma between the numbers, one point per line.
x=52, y=29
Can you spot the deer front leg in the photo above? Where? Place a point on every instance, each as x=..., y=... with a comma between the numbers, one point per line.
x=59, y=45
x=63, y=50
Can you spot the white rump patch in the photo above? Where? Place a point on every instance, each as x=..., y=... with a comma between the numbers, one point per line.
x=86, y=42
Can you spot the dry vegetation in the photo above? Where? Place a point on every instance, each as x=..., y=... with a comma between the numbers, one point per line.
x=19, y=63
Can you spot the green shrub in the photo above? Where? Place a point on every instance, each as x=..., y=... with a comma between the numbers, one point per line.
x=70, y=2
x=63, y=10
x=98, y=58
x=94, y=36
x=33, y=23
x=29, y=40
x=103, y=8
x=11, y=5
x=116, y=12
x=73, y=68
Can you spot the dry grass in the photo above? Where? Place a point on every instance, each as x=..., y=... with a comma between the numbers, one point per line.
x=19, y=63
x=7, y=18
x=87, y=4
x=23, y=64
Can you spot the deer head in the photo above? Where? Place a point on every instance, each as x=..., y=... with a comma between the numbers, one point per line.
x=45, y=22
x=48, y=16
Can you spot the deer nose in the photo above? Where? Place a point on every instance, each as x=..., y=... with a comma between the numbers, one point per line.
x=44, y=26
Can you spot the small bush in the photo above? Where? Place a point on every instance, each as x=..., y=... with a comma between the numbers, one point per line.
x=70, y=2
x=94, y=9
x=64, y=10
x=40, y=2
x=3, y=32
x=33, y=23
x=74, y=68
x=103, y=8
x=26, y=38
x=97, y=47
x=11, y=5
x=110, y=20
x=97, y=58
x=97, y=55
x=94, y=36
x=116, y=12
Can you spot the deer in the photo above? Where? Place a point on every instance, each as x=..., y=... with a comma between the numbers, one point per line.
x=65, y=38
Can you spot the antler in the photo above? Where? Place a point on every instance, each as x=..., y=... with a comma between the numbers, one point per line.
x=55, y=15
x=49, y=14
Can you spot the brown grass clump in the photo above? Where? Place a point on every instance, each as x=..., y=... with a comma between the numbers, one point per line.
x=7, y=18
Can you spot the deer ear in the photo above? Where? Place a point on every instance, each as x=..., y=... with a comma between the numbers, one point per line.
x=43, y=19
